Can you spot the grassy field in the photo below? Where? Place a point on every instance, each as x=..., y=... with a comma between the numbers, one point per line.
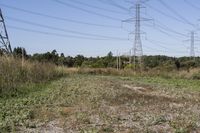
x=93, y=103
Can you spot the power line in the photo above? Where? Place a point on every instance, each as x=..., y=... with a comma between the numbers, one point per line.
x=96, y=7
x=161, y=30
x=192, y=5
x=153, y=49
x=165, y=14
x=162, y=26
x=96, y=37
x=58, y=18
x=117, y=5
x=55, y=34
x=163, y=51
x=157, y=50
x=183, y=20
x=162, y=46
x=164, y=42
x=85, y=10
x=157, y=44
x=176, y=13
x=166, y=28
x=64, y=30
x=112, y=3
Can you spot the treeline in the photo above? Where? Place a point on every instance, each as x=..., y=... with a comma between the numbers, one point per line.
x=110, y=61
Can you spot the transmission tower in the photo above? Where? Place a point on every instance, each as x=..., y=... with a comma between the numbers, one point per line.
x=137, y=47
x=5, y=45
x=192, y=41
x=138, y=52
x=192, y=51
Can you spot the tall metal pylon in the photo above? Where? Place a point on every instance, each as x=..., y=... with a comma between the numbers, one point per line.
x=5, y=45
x=137, y=46
x=192, y=51
x=192, y=41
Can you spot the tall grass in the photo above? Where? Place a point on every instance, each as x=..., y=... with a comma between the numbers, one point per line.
x=14, y=73
x=193, y=74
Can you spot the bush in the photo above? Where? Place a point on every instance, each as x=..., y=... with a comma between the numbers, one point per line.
x=129, y=66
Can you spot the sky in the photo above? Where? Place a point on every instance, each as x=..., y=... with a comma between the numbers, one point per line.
x=95, y=27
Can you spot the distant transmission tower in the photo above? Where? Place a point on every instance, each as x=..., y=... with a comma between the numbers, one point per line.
x=137, y=47
x=192, y=41
x=192, y=51
x=5, y=46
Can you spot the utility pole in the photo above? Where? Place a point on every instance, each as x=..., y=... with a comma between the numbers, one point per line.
x=4, y=39
x=23, y=50
x=117, y=57
x=119, y=61
x=130, y=56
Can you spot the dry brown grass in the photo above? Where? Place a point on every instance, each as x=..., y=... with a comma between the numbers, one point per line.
x=100, y=71
x=190, y=74
x=14, y=74
x=182, y=74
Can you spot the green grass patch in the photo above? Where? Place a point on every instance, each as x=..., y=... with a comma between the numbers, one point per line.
x=17, y=109
x=184, y=84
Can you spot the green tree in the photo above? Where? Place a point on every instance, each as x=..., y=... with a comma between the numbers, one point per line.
x=79, y=59
x=69, y=61
x=178, y=64
x=110, y=55
x=19, y=52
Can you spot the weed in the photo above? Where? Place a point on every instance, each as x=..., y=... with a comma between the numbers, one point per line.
x=14, y=76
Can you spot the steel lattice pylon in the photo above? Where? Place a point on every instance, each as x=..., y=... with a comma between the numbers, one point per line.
x=137, y=50
x=137, y=47
x=192, y=52
x=5, y=45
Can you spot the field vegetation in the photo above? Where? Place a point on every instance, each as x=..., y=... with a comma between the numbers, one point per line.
x=16, y=74
x=49, y=93
x=97, y=103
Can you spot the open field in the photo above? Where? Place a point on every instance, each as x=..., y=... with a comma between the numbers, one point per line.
x=99, y=66
x=94, y=103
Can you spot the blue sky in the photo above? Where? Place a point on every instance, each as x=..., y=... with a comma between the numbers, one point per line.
x=179, y=20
